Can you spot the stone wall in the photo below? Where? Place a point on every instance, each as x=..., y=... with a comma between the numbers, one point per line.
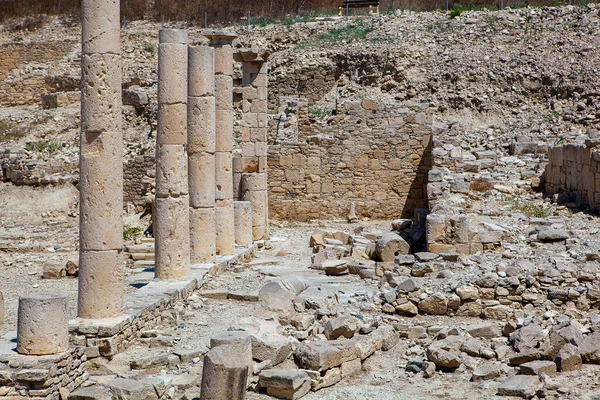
x=373, y=154
x=138, y=179
x=25, y=85
x=42, y=376
x=574, y=171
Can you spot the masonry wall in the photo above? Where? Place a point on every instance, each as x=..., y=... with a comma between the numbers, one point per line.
x=373, y=154
x=26, y=86
x=575, y=171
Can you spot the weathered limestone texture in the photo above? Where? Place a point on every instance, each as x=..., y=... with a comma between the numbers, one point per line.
x=224, y=374
x=253, y=185
x=101, y=158
x=172, y=216
x=243, y=223
x=1, y=312
x=373, y=154
x=573, y=173
x=225, y=227
x=43, y=325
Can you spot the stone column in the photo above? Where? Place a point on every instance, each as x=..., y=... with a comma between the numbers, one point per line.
x=201, y=153
x=171, y=219
x=254, y=138
x=243, y=223
x=100, y=163
x=225, y=227
x=43, y=325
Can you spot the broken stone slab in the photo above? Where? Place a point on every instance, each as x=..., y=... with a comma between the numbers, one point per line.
x=320, y=381
x=408, y=286
x=486, y=330
x=485, y=372
x=122, y=388
x=340, y=327
x=285, y=384
x=404, y=259
x=525, y=386
x=426, y=256
x=267, y=342
x=323, y=355
x=568, y=358
x=335, y=267
x=159, y=360
x=91, y=393
x=552, y=235
x=538, y=367
x=54, y=271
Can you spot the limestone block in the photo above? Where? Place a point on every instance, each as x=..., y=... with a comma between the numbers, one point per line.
x=324, y=355
x=259, y=106
x=201, y=67
x=100, y=293
x=248, y=149
x=43, y=325
x=225, y=227
x=201, y=125
x=171, y=170
x=254, y=182
x=172, y=124
x=202, y=235
x=223, y=92
x=224, y=130
x=224, y=374
x=100, y=92
x=172, y=239
x=224, y=60
x=172, y=73
x=243, y=223
x=202, y=180
x=258, y=135
x=101, y=198
x=223, y=176
x=245, y=164
x=101, y=26
x=285, y=384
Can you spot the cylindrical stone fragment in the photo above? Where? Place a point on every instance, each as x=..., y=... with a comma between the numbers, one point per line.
x=224, y=130
x=173, y=36
x=100, y=284
x=100, y=192
x=101, y=26
x=201, y=80
x=225, y=227
x=202, y=180
x=172, y=124
x=101, y=92
x=172, y=73
x=201, y=124
x=203, y=235
x=224, y=374
x=43, y=325
x=172, y=237
x=254, y=182
x=241, y=339
x=259, y=205
x=223, y=176
x=243, y=223
x=224, y=92
x=171, y=170
x=224, y=59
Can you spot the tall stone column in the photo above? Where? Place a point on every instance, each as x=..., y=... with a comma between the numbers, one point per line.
x=254, y=138
x=100, y=163
x=171, y=219
x=201, y=153
x=225, y=227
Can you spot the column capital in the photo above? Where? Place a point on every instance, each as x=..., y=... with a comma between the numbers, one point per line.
x=220, y=38
x=255, y=54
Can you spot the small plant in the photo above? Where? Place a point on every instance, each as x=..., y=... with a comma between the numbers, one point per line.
x=352, y=32
x=150, y=49
x=17, y=39
x=456, y=11
x=42, y=146
x=481, y=185
x=319, y=112
x=552, y=116
x=530, y=209
x=131, y=232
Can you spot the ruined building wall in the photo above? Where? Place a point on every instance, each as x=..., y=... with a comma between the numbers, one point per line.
x=26, y=85
x=373, y=154
x=575, y=171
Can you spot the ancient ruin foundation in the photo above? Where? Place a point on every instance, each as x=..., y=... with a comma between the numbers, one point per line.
x=225, y=230
x=101, y=158
x=171, y=216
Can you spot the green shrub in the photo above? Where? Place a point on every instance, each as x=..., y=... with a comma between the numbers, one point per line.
x=131, y=232
x=456, y=11
x=319, y=112
x=150, y=49
x=42, y=146
x=531, y=209
x=349, y=33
